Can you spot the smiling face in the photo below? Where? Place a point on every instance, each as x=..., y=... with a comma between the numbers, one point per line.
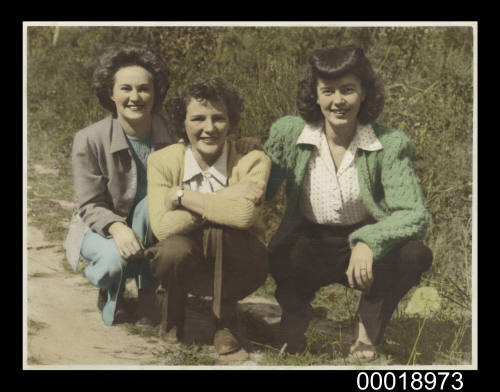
x=340, y=100
x=207, y=127
x=133, y=94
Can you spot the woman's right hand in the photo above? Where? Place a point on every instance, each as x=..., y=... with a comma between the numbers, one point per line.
x=126, y=241
x=247, y=190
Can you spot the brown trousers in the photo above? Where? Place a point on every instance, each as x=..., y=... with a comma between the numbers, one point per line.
x=314, y=256
x=186, y=263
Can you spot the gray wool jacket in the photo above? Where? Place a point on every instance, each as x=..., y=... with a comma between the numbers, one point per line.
x=105, y=178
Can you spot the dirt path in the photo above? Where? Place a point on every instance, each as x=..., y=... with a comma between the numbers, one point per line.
x=65, y=329
x=64, y=324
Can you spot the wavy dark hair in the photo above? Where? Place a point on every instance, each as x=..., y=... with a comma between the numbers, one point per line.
x=333, y=63
x=125, y=56
x=214, y=89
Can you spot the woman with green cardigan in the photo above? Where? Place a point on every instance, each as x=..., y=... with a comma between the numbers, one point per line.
x=354, y=210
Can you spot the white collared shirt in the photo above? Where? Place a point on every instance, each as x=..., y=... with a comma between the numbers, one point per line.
x=330, y=196
x=208, y=181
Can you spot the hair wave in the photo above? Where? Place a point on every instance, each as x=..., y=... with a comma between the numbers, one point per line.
x=124, y=56
x=333, y=63
x=214, y=89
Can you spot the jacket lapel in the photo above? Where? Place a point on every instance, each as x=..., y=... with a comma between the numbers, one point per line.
x=118, y=139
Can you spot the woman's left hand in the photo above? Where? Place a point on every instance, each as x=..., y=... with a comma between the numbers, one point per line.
x=247, y=144
x=360, y=270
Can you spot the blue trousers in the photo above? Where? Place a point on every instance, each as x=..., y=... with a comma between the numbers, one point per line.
x=107, y=269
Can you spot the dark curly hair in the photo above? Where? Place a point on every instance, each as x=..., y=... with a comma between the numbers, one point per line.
x=119, y=57
x=332, y=63
x=213, y=89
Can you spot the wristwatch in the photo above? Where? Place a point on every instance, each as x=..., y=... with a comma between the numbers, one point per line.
x=180, y=193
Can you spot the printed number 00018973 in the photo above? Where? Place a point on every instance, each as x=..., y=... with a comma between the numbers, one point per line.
x=419, y=381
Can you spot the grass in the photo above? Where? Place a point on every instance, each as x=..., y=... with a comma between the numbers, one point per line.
x=35, y=326
x=428, y=78
x=191, y=355
x=38, y=275
x=34, y=360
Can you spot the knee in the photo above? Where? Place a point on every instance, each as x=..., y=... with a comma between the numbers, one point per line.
x=107, y=269
x=172, y=255
x=415, y=257
x=257, y=275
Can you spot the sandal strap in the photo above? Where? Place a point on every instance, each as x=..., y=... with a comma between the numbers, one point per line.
x=360, y=346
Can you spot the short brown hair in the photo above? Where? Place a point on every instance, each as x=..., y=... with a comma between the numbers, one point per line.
x=124, y=56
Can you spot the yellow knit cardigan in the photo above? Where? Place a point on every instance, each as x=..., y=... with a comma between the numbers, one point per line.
x=166, y=170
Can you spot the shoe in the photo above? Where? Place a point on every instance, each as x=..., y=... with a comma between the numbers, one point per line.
x=122, y=315
x=295, y=345
x=172, y=336
x=225, y=342
x=292, y=330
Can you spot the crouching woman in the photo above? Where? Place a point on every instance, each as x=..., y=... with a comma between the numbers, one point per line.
x=204, y=201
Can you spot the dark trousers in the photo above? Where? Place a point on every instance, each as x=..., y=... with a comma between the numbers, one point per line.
x=182, y=265
x=314, y=256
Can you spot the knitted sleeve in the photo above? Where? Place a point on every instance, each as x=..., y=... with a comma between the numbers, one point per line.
x=163, y=174
x=407, y=216
x=276, y=147
x=239, y=213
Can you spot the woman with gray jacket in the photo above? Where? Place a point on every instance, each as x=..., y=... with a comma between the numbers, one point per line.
x=111, y=227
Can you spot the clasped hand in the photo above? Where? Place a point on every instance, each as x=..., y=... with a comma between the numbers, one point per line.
x=126, y=241
x=360, y=270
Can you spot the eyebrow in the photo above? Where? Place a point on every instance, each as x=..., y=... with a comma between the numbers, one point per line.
x=349, y=84
x=140, y=85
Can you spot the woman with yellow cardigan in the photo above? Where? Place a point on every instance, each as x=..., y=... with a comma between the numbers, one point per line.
x=204, y=200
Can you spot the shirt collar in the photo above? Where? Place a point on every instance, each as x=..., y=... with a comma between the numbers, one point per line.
x=364, y=137
x=218, y=169
x=311, y=134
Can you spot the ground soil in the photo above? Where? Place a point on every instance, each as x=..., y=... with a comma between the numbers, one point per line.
x=64, y=326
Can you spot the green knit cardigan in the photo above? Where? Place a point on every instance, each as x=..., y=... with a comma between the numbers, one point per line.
x=388, y=184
